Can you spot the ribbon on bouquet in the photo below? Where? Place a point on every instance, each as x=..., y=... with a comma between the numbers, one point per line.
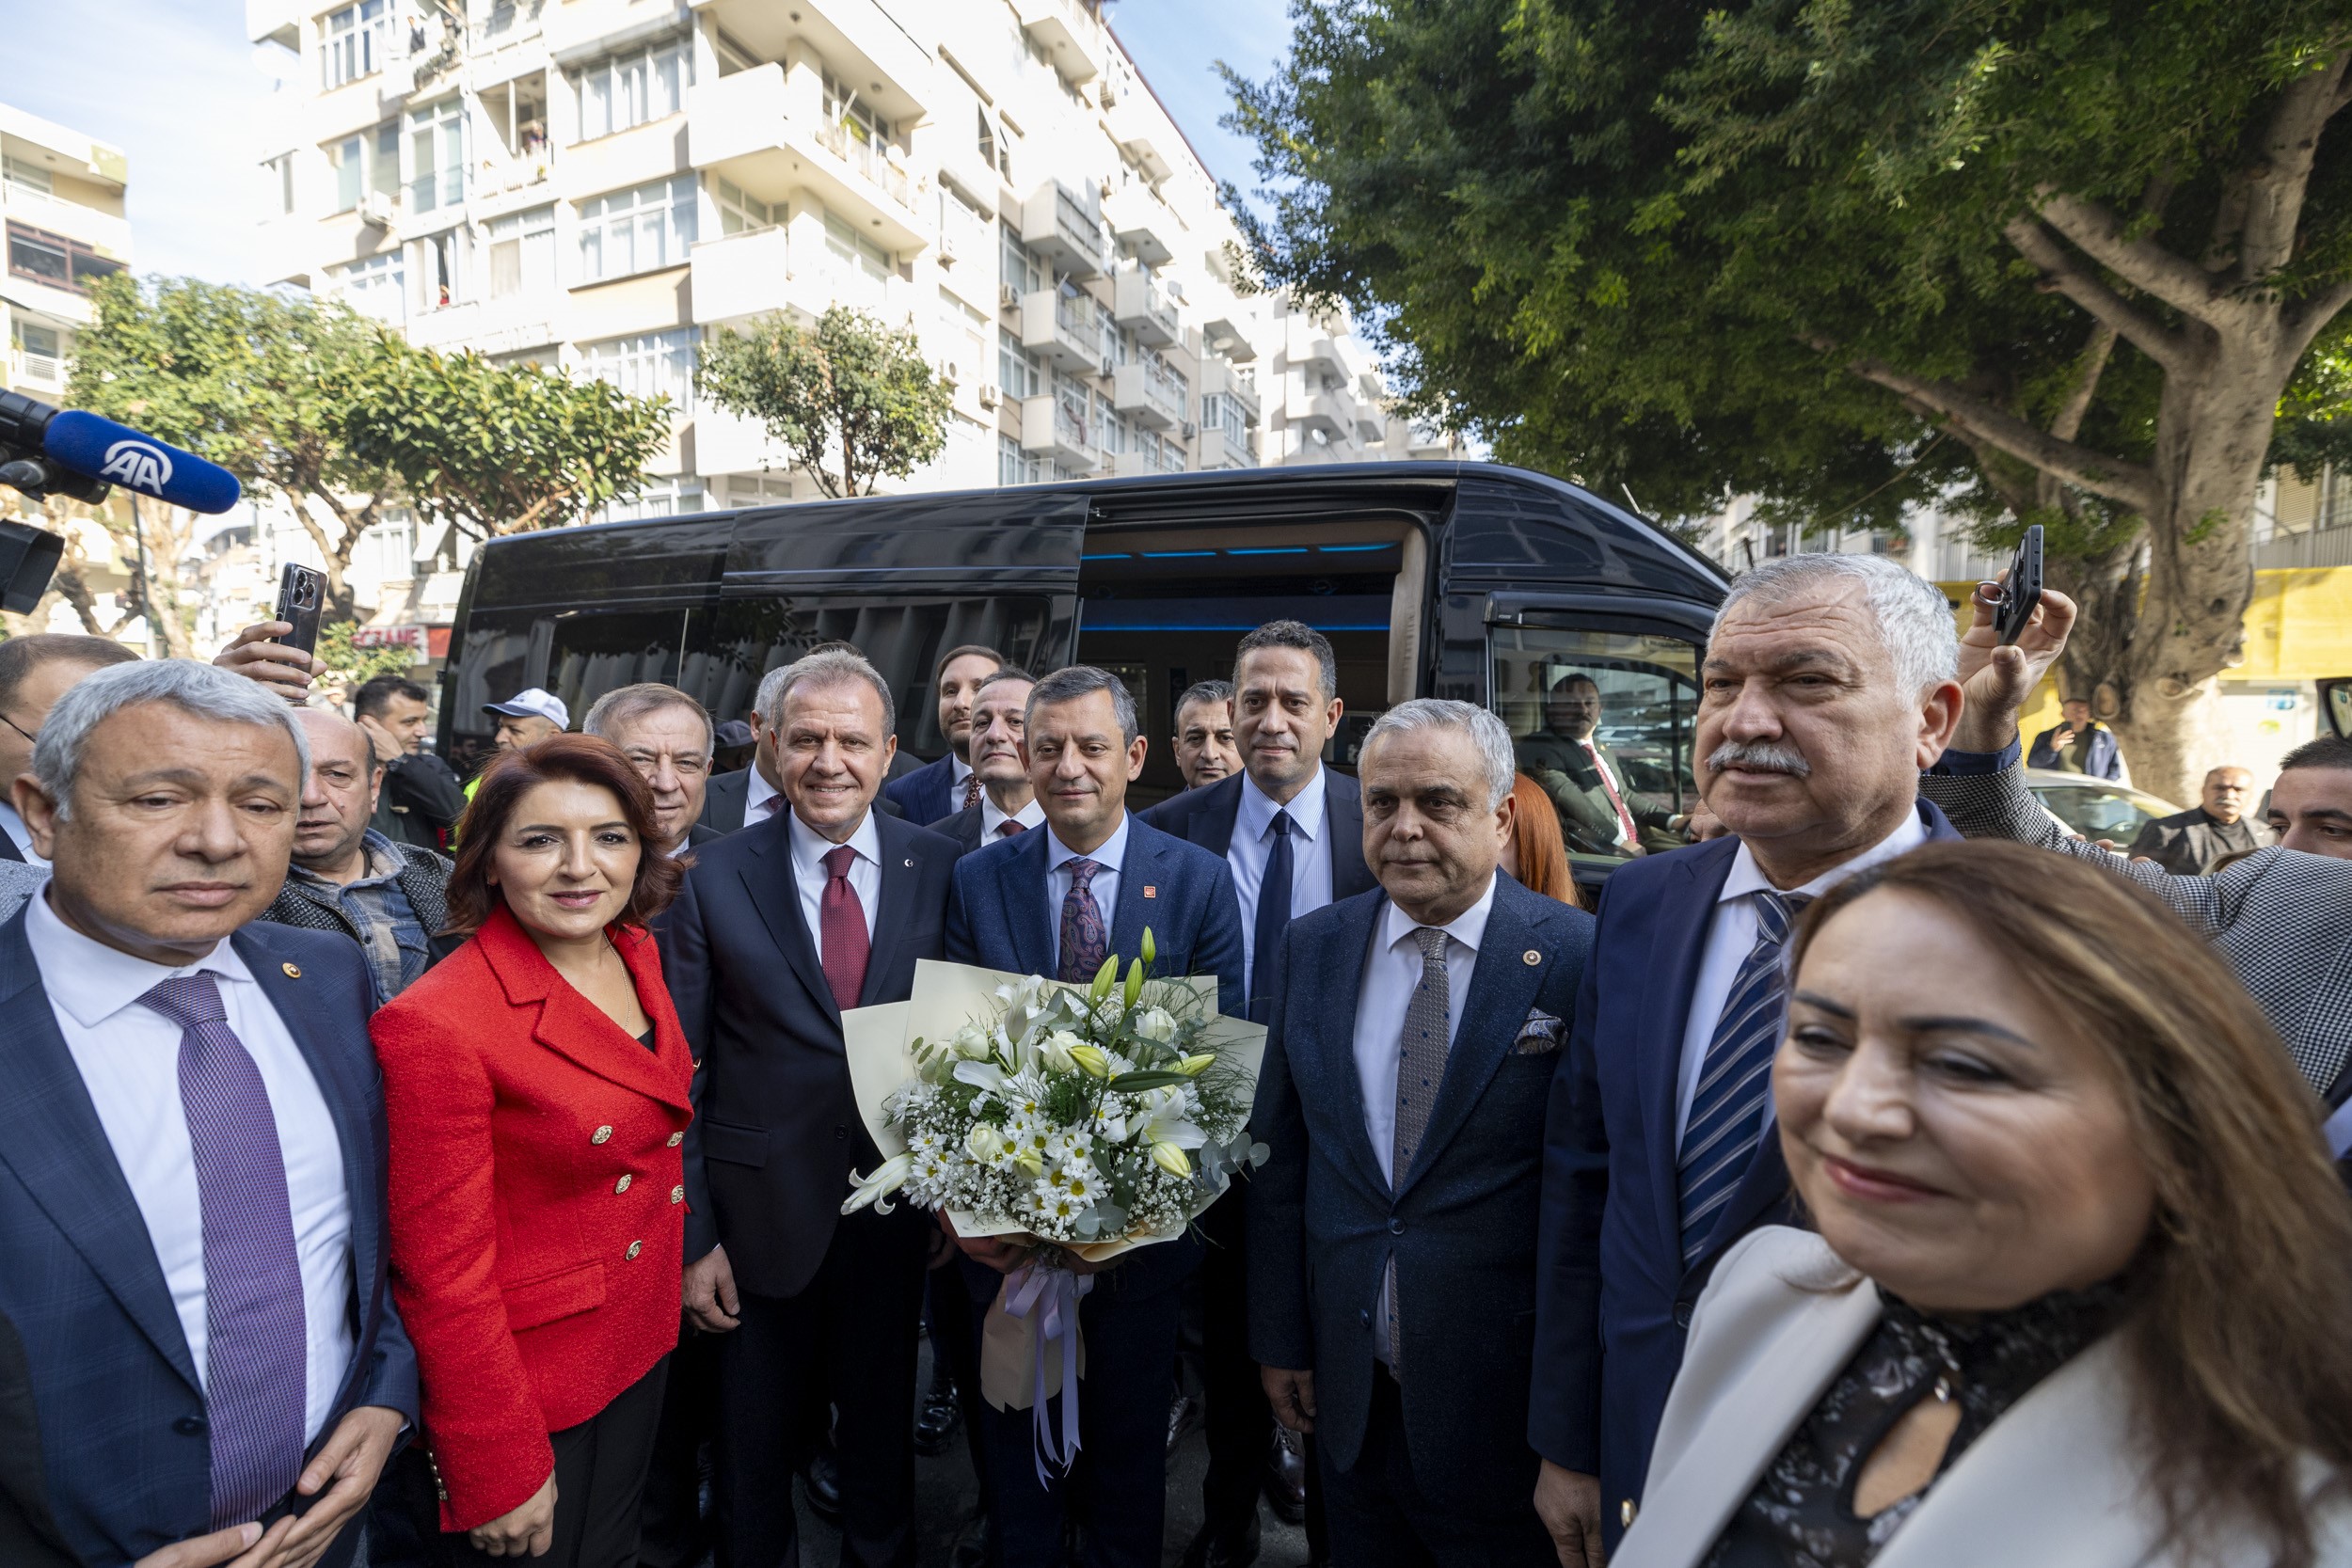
x=1045, y=1300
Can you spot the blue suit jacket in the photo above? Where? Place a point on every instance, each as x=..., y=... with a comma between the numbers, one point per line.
x=1206, y=817
x=927, y=794
x=1615, y=1300
x=2105, y=761
x=1461, y=1223
x=121, y=1413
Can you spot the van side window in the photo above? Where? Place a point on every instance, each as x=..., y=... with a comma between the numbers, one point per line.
x=1602, y=723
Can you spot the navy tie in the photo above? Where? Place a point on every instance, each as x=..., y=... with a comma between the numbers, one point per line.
x=1735, y=1078
x=1273, y=913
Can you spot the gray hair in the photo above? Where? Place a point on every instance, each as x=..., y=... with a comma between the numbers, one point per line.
x=199, y=690
x=1914, y=620
x=1205, y=691
x=825, y=667
x=1297, y=635
x=1074, y=681
x=623, y=703
x=1486, y=732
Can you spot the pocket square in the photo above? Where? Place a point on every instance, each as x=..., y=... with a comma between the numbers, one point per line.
x=1540, y=1034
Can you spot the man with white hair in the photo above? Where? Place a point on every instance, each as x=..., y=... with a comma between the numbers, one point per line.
x=191, y=1147
x=1829, y=682
x=1415, y=1040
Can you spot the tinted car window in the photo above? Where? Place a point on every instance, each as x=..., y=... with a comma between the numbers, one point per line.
x=1602, y=723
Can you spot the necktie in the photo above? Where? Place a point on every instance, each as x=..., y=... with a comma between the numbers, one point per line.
x=256, y=1347
x=771, y=805
x=1010, y=826
x=1727, y=1108
x=1626, y=831
x=1420, y=1069
x=971, y=790
x=841, y=931
x=1085, y=942
x=1274, y=912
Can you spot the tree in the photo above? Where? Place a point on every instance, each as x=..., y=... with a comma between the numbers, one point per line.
x=851, y=392
x=2041, y=259
x=258, y=383
x=495, y=450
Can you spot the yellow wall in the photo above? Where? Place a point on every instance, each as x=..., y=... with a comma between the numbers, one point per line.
x=2299, y=626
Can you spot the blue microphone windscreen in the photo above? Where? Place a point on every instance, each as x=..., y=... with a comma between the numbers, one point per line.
x=100, y=448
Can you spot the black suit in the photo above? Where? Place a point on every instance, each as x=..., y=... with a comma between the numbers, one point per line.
x=9, y=850
x=1238, y=1418
x=829, y=1303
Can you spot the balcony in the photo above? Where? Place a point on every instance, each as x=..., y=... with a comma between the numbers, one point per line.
x=278, y=22
x=1050, y=428
x=1138, y=301
x=739, y=126
x=1371, y=423
x=739, y=276
x=1062, y=227
x=1309, y=347
x=1069, y=32
x=1063, y=329
x=32, y=371
x=1144, y=226
x=1226, y=332
x=1151, y=394
x=962, y=165
x=1218, y=377
x=1220, y=451
x=1333, y=413
x=102, y=231
x=1143, y=129
x=729, y=444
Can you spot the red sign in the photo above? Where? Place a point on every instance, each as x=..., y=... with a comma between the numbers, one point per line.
x=411, y=638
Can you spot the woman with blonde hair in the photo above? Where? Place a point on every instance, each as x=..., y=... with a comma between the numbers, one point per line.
x=2082, y=1270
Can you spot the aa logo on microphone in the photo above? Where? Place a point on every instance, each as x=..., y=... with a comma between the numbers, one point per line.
x=138, y=465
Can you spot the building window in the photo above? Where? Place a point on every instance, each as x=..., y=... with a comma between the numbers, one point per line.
x=637, y=230
x=278, y=185
x=373, y=287
x=1019, y=267
x=659, y=497
x=440, y=270
x=387, y=551
x=54, y=259
x=352, y=42
x=40, y=354
x=20, y=175
x=522, y=253
x=740, y=214
x=1224, y=413
x=961, y=227
x=368, y=162
x=754, y=490
x=1110, y=430
x=854, y=251
x=1015, y=467
x=1016, y=372
x=651, y=364
x=622, y=90
x=437, y=155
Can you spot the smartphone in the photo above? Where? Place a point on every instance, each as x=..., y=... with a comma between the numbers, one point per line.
x=2020, y=594
x=301, y=595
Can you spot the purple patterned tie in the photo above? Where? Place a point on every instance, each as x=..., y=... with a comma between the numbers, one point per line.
x=1083, y=941
x=256, y=1355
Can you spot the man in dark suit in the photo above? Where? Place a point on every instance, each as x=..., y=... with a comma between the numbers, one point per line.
x=668, y=738
x=34, y=673
x=1292, y=835
x=2077, y=744
x=1601, y=810
x=1006, y=805
x=780, y=929
x=1059, y=903
x=947, y=786
x=2188, y=843
x=1412, y=1054
x=755, y=793
x=1828, y=684
x=192, y=1149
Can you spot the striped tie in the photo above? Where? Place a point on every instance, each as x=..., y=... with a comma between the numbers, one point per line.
x=1727, y=1109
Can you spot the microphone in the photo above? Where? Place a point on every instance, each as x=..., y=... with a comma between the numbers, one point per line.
x=117, y=455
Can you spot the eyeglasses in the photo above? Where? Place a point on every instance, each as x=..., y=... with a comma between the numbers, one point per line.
x=30, y=738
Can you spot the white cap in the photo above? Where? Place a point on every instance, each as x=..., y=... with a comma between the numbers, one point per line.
x=533, y=703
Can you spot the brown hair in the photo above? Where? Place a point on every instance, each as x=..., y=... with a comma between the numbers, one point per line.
x=973, y=650
x=21, y=656
x=1543, y=854
x=2233, y=1327
x=576, y=758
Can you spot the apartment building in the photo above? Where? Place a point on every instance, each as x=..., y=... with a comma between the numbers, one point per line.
x=61, y=199
x=598, y=184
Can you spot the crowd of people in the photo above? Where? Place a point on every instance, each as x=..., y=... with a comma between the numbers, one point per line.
x=1874, y=1171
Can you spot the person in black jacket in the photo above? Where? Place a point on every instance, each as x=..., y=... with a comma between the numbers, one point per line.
x=421, y=798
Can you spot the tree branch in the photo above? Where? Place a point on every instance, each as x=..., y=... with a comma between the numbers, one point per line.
x=2095, y=354
x=2143, y=264
x=2069, y=276
x=1973, y=420
x=2276, y=185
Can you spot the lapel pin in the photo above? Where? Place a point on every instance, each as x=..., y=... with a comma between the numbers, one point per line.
x=293, y=971
x=1531, y=958
x=1150, y=892
x=910, y=866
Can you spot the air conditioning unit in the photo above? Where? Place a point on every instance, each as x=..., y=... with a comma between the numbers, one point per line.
x=989, y=394
x=376, y=208
x=1191, y=429
x=951, y=373
x=1008, y=298
x=1110, y=368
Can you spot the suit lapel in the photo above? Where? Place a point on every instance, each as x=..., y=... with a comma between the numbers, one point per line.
x=1667, y=980
x=768, y=877
x=1502, y=987
x=895, y=920
x=576, y=1028
x=1146, y=867
x=1023, y=894
x=1212, y=826
x=1344, y=820
x=51, y=1137
x=1330, y=1047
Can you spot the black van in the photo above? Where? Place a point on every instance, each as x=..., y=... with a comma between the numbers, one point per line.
x=1451, y=580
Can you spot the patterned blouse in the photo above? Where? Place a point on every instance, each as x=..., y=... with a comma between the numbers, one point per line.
x=1801, y=1514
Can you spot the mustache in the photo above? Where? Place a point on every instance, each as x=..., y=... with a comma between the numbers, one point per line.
x=1761, y=755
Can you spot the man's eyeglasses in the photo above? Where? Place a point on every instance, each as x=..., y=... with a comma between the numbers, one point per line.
x=30, y=738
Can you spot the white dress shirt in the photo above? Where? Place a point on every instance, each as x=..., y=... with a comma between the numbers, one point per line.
x=1031, y=816
x=809, y=874
x=1731, y=936
x=1253, y=843
x=129, y=1058
x=1106, y=856
x=958, y=770
x=1392, y=974
x=757, y=792
x=19, y=836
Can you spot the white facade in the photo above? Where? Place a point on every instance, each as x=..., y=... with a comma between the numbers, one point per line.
x=598, y=184
x=61, y=200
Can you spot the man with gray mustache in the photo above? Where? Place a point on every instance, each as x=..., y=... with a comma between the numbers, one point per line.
x=1829, y=683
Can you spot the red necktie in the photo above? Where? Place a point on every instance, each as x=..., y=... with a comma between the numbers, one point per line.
x=971, y=790
x=1010, y=826
x=843, y=943
x=1625, y=817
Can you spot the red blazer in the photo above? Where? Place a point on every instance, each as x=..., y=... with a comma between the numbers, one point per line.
x=537, y=1203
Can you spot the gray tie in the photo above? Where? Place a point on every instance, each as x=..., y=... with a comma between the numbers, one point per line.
x=1420, y=1069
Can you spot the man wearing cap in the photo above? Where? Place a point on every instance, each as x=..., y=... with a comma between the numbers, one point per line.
x=530, y=715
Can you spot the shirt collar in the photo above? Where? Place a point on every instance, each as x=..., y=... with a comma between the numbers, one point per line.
x=1031, y=816
x=384, y=865
x=809, y=849
x=1468, y=927
x=1107, y=854
x=1747, y=876
x=959, y=770
x=755, y=789
x=1258, y=809
x=92, y=981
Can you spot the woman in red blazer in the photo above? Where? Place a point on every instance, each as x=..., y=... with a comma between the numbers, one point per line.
x=535, y=1081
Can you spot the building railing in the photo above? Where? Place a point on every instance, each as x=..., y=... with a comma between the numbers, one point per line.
x=2304, y=549
x=1167, y=388
x=862, y=155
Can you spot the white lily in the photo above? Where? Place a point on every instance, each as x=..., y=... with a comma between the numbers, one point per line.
x=1165, y=1122
x=981, y=1075
x=874, y=1191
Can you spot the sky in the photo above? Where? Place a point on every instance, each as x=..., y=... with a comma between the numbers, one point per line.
x=180, y=87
